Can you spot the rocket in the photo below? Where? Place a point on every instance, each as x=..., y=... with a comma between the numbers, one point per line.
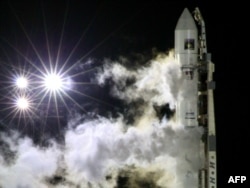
x=186, y=53
x=195, y=106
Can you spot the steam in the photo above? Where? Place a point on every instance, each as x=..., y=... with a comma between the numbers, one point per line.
x=110, y=152
x=155, y=83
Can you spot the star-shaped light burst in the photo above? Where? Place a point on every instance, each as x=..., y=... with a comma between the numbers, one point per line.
x=47, y=76
x=23, y=107
x=51, y=87
x=22, y=82
x=18, y=100
x=38, y=94
x=55, y=83
x=22, y=103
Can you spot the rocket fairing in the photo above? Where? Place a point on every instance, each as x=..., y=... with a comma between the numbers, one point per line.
x=195, y=106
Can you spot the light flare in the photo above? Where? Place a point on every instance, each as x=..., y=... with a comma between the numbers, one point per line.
x=22, y=103
x=22, y=82
x=53, y=82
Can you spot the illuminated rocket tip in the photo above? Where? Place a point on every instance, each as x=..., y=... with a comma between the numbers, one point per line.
x=186, y=21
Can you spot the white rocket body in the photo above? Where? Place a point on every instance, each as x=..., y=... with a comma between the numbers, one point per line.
x=191, y=54
x=186, y=53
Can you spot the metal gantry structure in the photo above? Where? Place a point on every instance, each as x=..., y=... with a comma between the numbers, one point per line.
x=209, y=172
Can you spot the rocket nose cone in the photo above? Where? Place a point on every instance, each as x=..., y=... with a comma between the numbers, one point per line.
x=186, y=21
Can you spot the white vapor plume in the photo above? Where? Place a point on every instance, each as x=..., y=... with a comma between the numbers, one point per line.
x=109, y=152
x=156, y=83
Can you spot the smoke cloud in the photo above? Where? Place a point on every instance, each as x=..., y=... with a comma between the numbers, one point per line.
x=112, y=152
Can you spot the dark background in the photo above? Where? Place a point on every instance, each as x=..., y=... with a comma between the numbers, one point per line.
x=124, y=28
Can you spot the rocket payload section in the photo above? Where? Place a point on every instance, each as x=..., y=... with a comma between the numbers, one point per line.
x=196, y=104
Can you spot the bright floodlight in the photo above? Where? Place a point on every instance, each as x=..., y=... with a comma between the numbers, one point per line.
x=53, y=82
x=22, y=82
x=22, y=103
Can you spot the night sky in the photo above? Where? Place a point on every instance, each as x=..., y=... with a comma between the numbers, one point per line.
x=91, y=31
